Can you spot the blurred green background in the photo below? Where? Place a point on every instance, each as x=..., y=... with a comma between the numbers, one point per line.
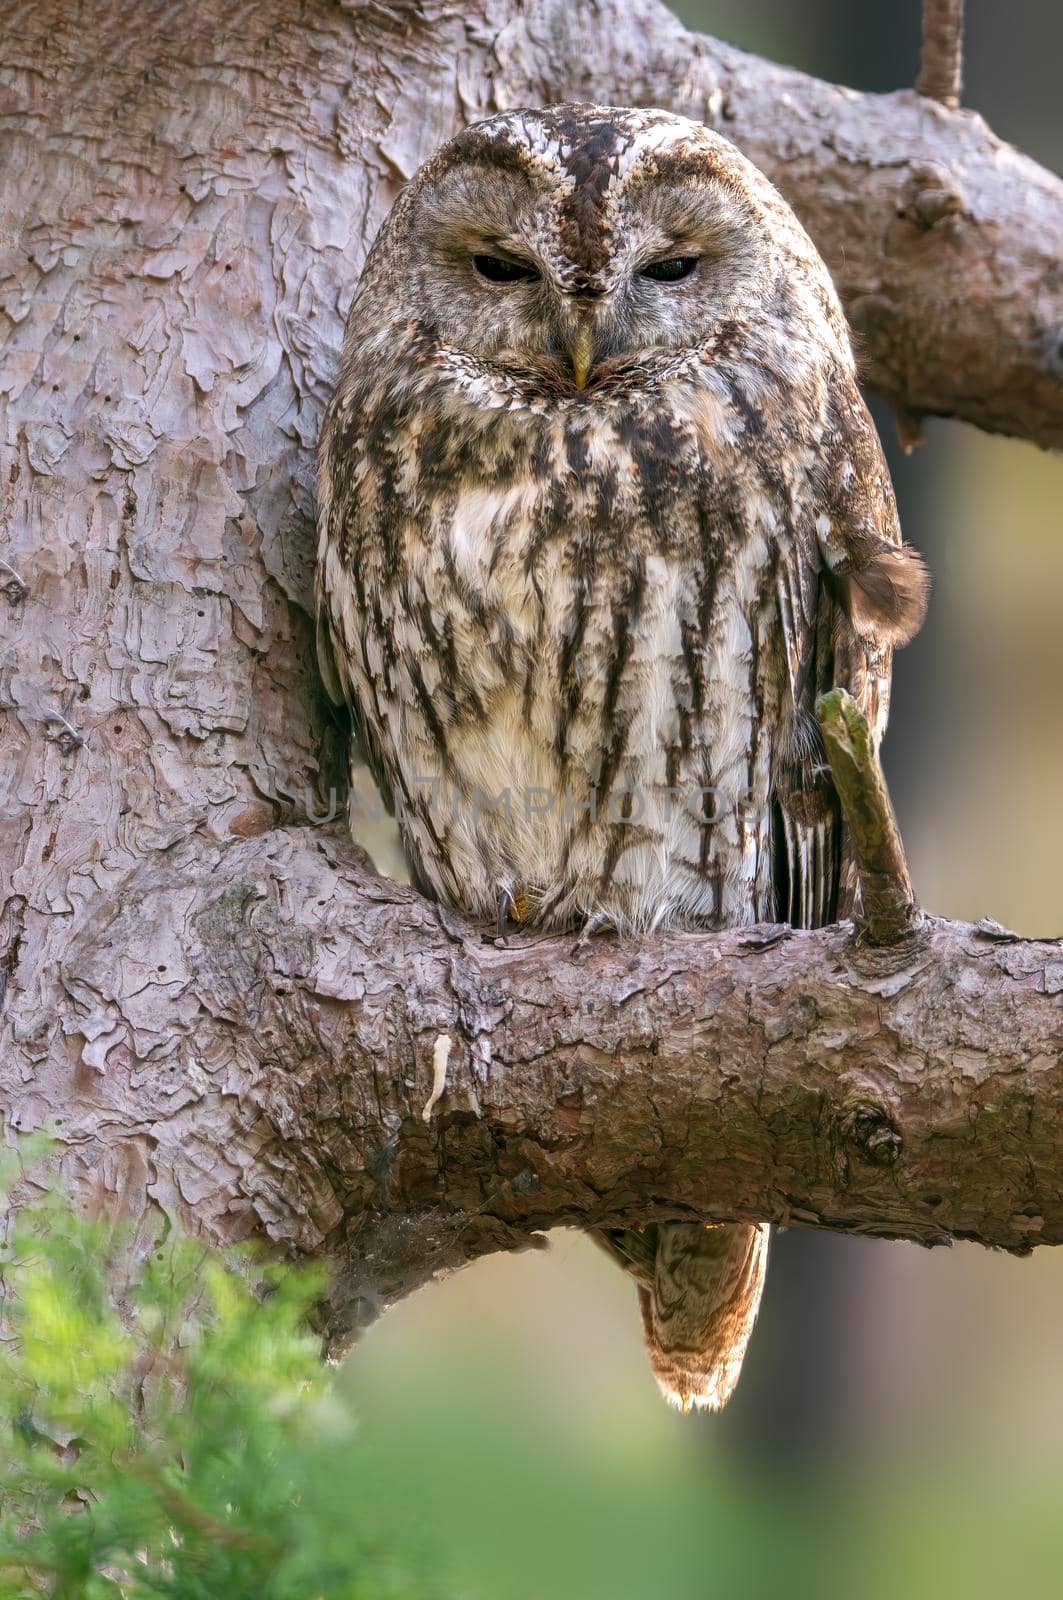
x=897, y=1431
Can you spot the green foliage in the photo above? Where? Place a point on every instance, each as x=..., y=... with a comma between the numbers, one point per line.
x=167, y=1427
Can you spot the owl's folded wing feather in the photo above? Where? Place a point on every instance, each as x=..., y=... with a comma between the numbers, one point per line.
x=337, y=629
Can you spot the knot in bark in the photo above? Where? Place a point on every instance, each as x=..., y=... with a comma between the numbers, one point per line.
x=869, y=1130
x=931, y=196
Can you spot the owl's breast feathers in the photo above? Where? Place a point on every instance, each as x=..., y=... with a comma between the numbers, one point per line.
x=583, y=640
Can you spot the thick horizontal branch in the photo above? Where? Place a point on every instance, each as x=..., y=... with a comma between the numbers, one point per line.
x=274, y=1027
x=945, y=242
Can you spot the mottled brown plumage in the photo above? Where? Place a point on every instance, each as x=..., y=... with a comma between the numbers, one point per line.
x=602, y=511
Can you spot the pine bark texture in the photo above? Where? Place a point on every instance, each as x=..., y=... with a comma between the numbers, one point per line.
x=224, y=1013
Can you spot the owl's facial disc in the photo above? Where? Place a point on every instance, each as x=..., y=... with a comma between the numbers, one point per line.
x=566, y=272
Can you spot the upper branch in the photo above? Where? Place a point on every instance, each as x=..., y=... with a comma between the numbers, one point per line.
x=944, y=242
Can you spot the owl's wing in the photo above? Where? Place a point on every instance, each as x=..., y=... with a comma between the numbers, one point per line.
x=850, y=591
x=333, y=590
x=326, y=655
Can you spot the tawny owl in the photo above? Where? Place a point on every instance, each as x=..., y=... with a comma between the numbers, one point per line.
x=602, y=511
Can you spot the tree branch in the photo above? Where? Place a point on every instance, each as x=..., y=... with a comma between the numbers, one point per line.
x=941, y=60
x=276, y=1032
x=231, y=1018
x=944, y=242
x=889, y=911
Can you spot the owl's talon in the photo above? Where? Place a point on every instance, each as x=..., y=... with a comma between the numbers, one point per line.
x=506, y=908
x=601, y=922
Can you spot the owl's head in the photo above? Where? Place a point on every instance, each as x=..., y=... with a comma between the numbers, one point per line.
x=571, y=245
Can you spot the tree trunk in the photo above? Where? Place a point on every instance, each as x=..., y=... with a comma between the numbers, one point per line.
x=224, y=1015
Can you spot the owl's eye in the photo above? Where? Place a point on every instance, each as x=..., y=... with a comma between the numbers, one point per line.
x=497, y=269
x=670, y=271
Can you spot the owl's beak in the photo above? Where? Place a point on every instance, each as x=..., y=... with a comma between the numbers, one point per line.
x=581, y=355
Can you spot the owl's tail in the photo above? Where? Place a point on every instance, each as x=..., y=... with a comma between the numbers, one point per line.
x=699, y=1289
